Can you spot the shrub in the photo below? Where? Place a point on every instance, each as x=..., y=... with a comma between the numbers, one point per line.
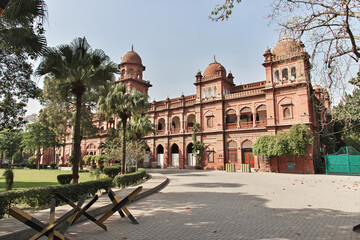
x=9, y=179
x=17, y=157
x=64, y=178
x=112, y=171
x=41, y=197
x=124, y=180
x=31, y=160
x=53, y=166
x=70, y=159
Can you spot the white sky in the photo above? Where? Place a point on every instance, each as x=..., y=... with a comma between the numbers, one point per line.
x=175, y=39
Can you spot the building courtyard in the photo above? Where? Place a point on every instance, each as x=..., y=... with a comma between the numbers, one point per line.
x=221, y=205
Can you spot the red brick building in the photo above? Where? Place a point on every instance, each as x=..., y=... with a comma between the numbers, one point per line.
x=232, y=117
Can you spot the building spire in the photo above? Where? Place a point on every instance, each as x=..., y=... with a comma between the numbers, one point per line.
x=132, y=47
x=214, y=59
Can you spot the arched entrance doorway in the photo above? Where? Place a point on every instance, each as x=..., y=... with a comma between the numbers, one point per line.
x=247, y=153
x=160, y=155
x=191, y=157
x=175, y=155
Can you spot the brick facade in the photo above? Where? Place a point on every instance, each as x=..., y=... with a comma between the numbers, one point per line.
x=232, y=117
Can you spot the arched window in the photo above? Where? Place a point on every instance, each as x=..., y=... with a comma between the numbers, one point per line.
x=246, y=118
x=231, y=116
x=277, y=76
x=293, y=73
x=285, y=75
x=203, y=93
x=214, y=91
x=131, y=72
x=161, y=125
x=287, y=113
x=208, y=92
x=190, y=121
x=122, y=73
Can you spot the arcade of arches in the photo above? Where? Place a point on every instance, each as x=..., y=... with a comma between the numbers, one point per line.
x=232, y=117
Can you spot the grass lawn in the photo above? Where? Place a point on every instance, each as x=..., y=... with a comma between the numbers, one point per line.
x=29, y=178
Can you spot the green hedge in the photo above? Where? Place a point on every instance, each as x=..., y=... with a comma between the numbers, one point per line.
x=41, y=197
x=112, y=171
x=124, y=180
x=64, y=178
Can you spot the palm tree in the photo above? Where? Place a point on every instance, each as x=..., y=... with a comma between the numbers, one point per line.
x=81, y=70
x=140, y=126
x=123, y=104
x=21, y=26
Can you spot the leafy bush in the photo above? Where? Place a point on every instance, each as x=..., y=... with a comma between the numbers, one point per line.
x=53, y=166
x=70, y=159
x=9, y=179
x=112, y=171
x=31, y=166
x=64, y=178
x=17, y=157
x=41, y=197
x=31, y=160
x=124, y=180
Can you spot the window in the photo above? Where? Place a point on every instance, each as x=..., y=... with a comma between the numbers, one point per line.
x=160, y=127
x=209, y=122
x=208, y=92
x=231, y=116
x=131, y=72
x=232, y=152
x=232, y=155
x=214, y=91
x=285, y=74
x=277, y=76
x=287, y=113
x=293, y=73
x=203, y=93
x=211, y=157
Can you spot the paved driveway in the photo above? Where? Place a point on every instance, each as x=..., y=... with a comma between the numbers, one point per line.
x=220, y=205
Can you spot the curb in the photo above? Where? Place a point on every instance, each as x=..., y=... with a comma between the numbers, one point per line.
x=29, y=232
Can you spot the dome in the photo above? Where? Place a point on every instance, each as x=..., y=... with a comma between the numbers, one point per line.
x=214, y=68
x=287, y=45
x=131, y=57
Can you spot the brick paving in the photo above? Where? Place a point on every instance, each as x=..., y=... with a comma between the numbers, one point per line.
x=220, y=205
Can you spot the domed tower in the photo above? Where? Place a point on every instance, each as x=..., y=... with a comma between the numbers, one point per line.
x=214, y=83
x=287, y=62
x=131, y=72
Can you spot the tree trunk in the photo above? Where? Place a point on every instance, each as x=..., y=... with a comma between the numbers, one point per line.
x=21, y=155
x=123, y=120
x=77, y=140
x=38, y=155
x=2, y=157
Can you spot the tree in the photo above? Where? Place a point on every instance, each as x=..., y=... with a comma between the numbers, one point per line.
x=21, y=37
x=328, y=27
x=347, y=113
x=348, y=110
x=79, y=70
x=198, y=147
x=10, y=141
x=292, y=142
x=37, y=137
x=122, y=103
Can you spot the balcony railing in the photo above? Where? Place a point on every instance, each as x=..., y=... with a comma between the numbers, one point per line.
x=160, y=132
x=261, y=123
x=175, y=130
x=231, y=125
x=246, y=124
